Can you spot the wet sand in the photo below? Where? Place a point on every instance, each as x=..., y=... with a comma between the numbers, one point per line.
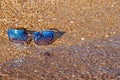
x=89, y=49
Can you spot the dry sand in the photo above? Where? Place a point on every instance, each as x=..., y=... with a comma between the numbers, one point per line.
x=89, y=49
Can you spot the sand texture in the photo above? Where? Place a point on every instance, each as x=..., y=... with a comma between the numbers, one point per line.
x=88, y=49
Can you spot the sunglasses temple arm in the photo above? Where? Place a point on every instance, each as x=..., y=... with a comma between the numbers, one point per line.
x=54, y=29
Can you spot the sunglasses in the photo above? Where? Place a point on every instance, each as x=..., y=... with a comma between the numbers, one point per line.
x=20, y=35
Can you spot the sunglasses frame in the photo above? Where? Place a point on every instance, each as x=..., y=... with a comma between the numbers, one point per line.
x=21, y=35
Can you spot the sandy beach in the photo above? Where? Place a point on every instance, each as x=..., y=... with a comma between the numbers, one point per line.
x=89, y=49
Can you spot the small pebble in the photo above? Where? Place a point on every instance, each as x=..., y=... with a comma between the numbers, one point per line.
x=76, y=51
x=82, y=39
x=47, y=53
x=19, y=61
x=40, y=20
x=114, y=32
x=54, y=19
x=106, y=35
x=71, y=22
x=88, y=50
x=35, y=71
x=73, y=75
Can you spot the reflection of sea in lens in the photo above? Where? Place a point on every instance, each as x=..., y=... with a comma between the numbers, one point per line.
x=44, y=41
x=17, y=40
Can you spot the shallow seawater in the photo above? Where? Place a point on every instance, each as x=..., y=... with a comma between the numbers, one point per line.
x=92, y=60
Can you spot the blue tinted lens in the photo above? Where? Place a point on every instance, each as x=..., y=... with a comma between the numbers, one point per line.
x=17, y=35
x=43, y=37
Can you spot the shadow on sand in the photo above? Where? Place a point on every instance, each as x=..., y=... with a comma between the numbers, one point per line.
x=57, y=34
